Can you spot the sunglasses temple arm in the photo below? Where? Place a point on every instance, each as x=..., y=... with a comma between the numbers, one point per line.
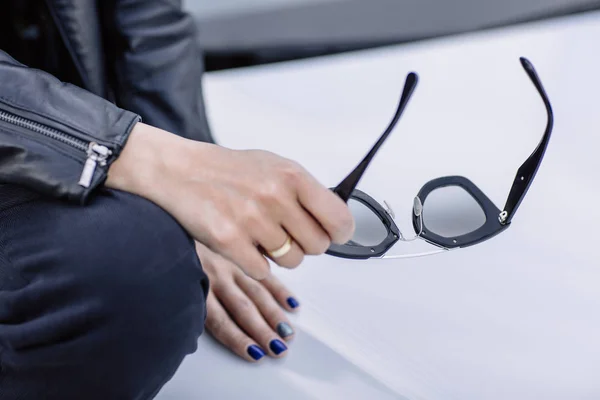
x=347, y=186
x=528, y=170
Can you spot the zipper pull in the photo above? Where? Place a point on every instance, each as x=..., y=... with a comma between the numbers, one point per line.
x=97, y=155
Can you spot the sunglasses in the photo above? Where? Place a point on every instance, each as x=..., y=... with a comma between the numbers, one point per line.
x=449, y=212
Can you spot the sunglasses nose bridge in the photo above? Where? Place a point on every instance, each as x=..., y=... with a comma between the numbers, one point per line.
x=417, y=209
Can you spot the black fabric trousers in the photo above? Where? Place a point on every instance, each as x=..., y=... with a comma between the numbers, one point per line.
x=102, y=301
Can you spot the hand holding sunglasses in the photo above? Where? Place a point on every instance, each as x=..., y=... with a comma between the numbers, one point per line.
x=449, y=212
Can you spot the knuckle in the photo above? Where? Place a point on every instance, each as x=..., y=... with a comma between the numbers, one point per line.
x=252, y=215
x=225, y=235
x=292, y=171
x=242, y=306
x=217, y=325
x=217, y=285
x=260, y=272
x=270, y=191
x=255, y=289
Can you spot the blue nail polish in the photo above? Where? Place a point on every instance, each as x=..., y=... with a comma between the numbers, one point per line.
x=256, y=352
x=277, y=346
x=292, y=302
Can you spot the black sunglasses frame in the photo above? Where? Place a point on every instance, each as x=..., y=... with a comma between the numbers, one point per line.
x=497, y=221
x=358, y=251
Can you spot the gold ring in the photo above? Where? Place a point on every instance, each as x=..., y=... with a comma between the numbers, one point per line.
x=283, y=250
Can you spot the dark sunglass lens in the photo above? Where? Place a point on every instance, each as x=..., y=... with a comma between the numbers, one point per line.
x=451, y=212
x=370, y=230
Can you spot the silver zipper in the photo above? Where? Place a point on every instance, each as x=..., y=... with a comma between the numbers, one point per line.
x=96, y=153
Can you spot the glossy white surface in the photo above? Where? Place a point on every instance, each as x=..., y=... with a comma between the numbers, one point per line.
x=513, y=318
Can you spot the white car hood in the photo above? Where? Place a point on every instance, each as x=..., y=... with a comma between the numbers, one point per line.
x=513, y=318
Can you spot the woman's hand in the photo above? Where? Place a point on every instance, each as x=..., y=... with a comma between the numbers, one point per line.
x=240, y=204
x=245, y=315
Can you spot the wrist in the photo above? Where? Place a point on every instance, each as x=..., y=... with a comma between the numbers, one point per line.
x=149, y=160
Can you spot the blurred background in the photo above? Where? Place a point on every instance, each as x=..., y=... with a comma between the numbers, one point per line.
x=237, y=33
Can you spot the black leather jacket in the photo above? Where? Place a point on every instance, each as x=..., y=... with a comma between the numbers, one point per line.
x=125, y=60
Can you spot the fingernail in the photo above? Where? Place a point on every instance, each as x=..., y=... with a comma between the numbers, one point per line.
x=284, y=329
x=292, y=302
x=256, y=352
x=277, y=346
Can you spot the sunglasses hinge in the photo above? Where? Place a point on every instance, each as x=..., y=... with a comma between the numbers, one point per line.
x=503, y=217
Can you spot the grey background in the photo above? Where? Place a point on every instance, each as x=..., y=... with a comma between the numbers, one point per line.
x=217, y=8
x=250, y=25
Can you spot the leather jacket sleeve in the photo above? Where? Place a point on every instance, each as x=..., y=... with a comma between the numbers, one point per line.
x=55, y=138
x=158, y=64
